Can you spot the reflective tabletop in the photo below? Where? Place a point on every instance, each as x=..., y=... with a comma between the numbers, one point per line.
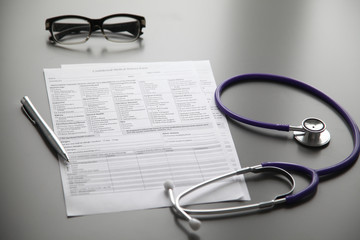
x=314, y=41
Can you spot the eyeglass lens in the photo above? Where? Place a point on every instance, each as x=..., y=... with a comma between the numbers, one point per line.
x=71, y=30
x=121, y=29
x=76, y=30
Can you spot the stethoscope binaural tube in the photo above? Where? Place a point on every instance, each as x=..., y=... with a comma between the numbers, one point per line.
x=195, y=223
x=284, y=127
x=193, y=215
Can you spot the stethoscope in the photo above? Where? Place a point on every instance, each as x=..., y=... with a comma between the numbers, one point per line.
x=311, y=133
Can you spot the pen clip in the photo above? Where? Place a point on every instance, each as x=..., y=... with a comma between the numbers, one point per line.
x=27, y=114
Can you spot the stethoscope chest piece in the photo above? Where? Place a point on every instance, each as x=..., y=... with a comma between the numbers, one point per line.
x=313, y=133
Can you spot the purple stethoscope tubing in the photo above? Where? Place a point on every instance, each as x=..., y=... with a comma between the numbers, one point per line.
x=312, y=173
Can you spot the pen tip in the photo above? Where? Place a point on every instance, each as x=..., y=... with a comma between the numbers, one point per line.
x=65, y=157
x=67, y=162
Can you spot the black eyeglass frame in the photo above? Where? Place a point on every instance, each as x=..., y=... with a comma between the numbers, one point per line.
x=95, y=24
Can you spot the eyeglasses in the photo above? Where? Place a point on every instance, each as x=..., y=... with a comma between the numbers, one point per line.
x=72, y=29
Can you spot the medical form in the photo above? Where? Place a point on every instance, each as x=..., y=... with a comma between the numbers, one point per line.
x=129, y=127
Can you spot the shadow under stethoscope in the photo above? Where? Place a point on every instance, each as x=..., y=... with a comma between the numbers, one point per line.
x=95, y=48
x=181, y=225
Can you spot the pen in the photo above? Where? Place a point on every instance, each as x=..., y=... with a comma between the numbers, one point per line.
x=36, y=119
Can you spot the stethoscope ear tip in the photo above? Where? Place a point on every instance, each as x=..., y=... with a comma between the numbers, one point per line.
x=194, y=223
x=168, y=185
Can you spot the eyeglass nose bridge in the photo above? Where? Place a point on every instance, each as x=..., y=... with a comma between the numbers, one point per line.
x=97, y=25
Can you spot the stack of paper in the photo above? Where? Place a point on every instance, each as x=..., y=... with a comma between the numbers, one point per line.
x=128, y=127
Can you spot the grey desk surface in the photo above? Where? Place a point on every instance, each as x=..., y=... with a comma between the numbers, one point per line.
x=315, y=41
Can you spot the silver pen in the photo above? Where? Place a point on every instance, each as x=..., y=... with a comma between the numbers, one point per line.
x=36, y=119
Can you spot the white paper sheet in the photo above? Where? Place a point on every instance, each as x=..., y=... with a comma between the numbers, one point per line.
x=128, y=127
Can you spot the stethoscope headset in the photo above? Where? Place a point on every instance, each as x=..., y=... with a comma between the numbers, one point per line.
x=311, y=133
